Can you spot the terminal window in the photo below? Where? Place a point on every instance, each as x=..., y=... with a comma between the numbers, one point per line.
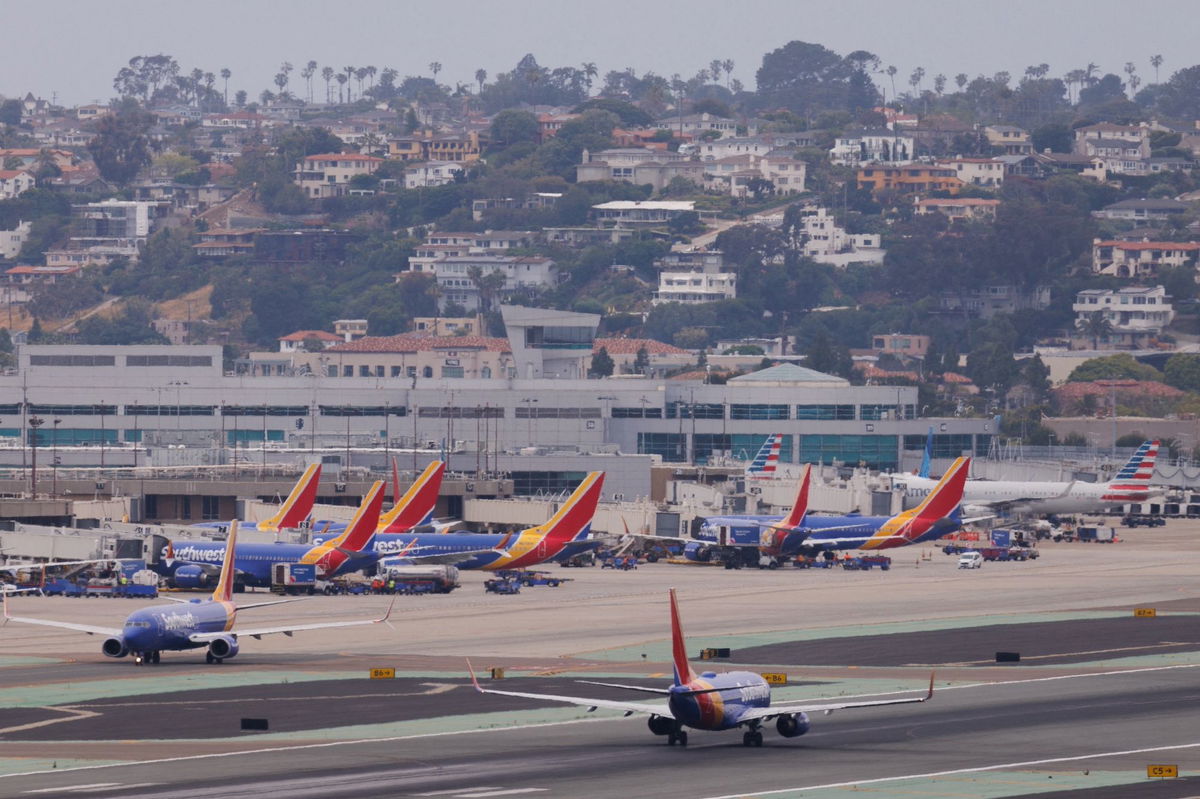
x=825, y=412
x=671, y=446
x=877, y=452
x=758, y=412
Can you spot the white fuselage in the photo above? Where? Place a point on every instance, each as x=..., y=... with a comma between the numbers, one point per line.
x=1027, y=496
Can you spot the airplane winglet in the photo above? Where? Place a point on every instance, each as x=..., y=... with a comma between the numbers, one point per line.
x=6, y=616
x=929, y=695
x=474, y=679
x=384, y=618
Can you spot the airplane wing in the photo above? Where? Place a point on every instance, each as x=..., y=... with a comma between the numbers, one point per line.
x=66, y=625
x=629, y=708
x=829, y=707
x=204, y=638
x=449, y=558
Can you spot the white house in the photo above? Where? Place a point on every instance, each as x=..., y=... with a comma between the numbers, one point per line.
x=879, y=146
x=295, y=342
x=329, y=174
x=694, y=277
x=640, y=213
x=11, y=241
x=15, y=182
x=987, y=172
x=1135, y=313
x=1141, y=258
x=433, y=173
x=825, y=242
x=453, y=275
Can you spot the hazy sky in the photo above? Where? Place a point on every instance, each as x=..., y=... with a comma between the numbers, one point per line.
x=73, y=49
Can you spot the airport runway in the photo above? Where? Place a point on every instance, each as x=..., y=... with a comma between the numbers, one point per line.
x=1098, y=695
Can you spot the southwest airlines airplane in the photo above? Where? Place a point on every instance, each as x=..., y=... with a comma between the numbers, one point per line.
x=413, y=510
x=710, y=700
x=198, y=623
x=566, y=532
x=1132, y=484
x=802, y=533
x=294, y=510
x=193, y=564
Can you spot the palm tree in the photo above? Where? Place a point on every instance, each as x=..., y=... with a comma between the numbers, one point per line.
x=360, y=75
x=1088, y=72
x=916, y=77
x=341, y=79
x=1156, y=62
x=939, y=84
x=960, y=80
x=285, y=69
x=435, y=67
x=590, y=71
x=1134, y=80
x=480, y=78
x=327, y=74
x=226, y=75
x=281, y=80
x=891, y=73
x=727, y=65
x=307, y=73
x=1074, y=78
x=349, y=72
x=371, y=72
x=1095, y=326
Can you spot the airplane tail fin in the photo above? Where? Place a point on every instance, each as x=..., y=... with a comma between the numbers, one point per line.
x=947, y=494
x=767, y=459
x=224, y=590
x=299, y=503
x=361, y=529
x=1140, y=468
x=927, y=458
x=800, y=506
x=415, y=508
x=683, y=670
x=573, y=520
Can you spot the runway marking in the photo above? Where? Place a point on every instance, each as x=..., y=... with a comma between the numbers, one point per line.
x=434, y=688
x=458, y=790
x=592, y=720
x=508, y=792
x=1058, y=654
x=75, y=715
x=952, y=772
x=94, y=787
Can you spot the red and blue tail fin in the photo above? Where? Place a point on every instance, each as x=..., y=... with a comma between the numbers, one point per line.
x=947, y=494
x=224, y=590
x=683, y=670
x=298, y=505
x=1140, y=468
x=415, y=508
x=360, y=531
x=573, y=521
x=767, y=459
x=800, y=507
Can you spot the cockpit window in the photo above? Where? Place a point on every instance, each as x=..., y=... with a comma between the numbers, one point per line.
x=144, y=624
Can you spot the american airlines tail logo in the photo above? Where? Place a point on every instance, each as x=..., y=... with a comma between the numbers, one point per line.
x=767, y=460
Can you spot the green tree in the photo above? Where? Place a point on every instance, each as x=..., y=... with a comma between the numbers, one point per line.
x=121, y=146
x=133, y=325
x=641, y=362
x=1182, y=370
x=602, y=363
x=1120, y=367
x=1053, y=136
x=804, y=78
x=511, y=127
x=1095, y=326
x=1180, y=96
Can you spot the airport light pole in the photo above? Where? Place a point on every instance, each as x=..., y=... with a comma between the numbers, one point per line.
x=54, y=459
x=34, y=423
x=528, y=401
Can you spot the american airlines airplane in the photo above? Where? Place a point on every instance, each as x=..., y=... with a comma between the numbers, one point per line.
x=1132, y=484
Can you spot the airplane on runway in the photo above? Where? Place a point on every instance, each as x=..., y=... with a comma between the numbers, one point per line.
x=565, y=533
x=1131, y=484
x=293, y=512
x=199, y=623
x=803, y=534
x=708, y=701
x=193, y=564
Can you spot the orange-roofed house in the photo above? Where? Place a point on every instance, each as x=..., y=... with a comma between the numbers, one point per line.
x=661, y=357
x=1141, y=258
x=328, y=175
x=407, y=355
x=297, y=342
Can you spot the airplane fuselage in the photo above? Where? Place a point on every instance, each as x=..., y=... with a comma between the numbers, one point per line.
x=1027, y=496
x=739, y=691
x=253, y=562
x=170, y=627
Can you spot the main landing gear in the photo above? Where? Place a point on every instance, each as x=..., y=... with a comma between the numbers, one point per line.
x=677, y=737
x=752, y=738
x=208, y=658
x=141, y=658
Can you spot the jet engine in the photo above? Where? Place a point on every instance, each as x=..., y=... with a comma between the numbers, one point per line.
x=114, y=648
x=660, y=725
x=191, y=577
x=793, y=726
x=224, y=647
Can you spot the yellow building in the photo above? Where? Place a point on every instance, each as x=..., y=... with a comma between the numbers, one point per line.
x=908, y=178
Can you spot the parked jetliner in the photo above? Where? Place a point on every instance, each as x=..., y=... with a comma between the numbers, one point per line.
x=709, y=701
x=193, y=564
x=567, y=531
x=411, y=511
x=293, y=512
x=198, y=623
x=803, y=533
x=1132, y=484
